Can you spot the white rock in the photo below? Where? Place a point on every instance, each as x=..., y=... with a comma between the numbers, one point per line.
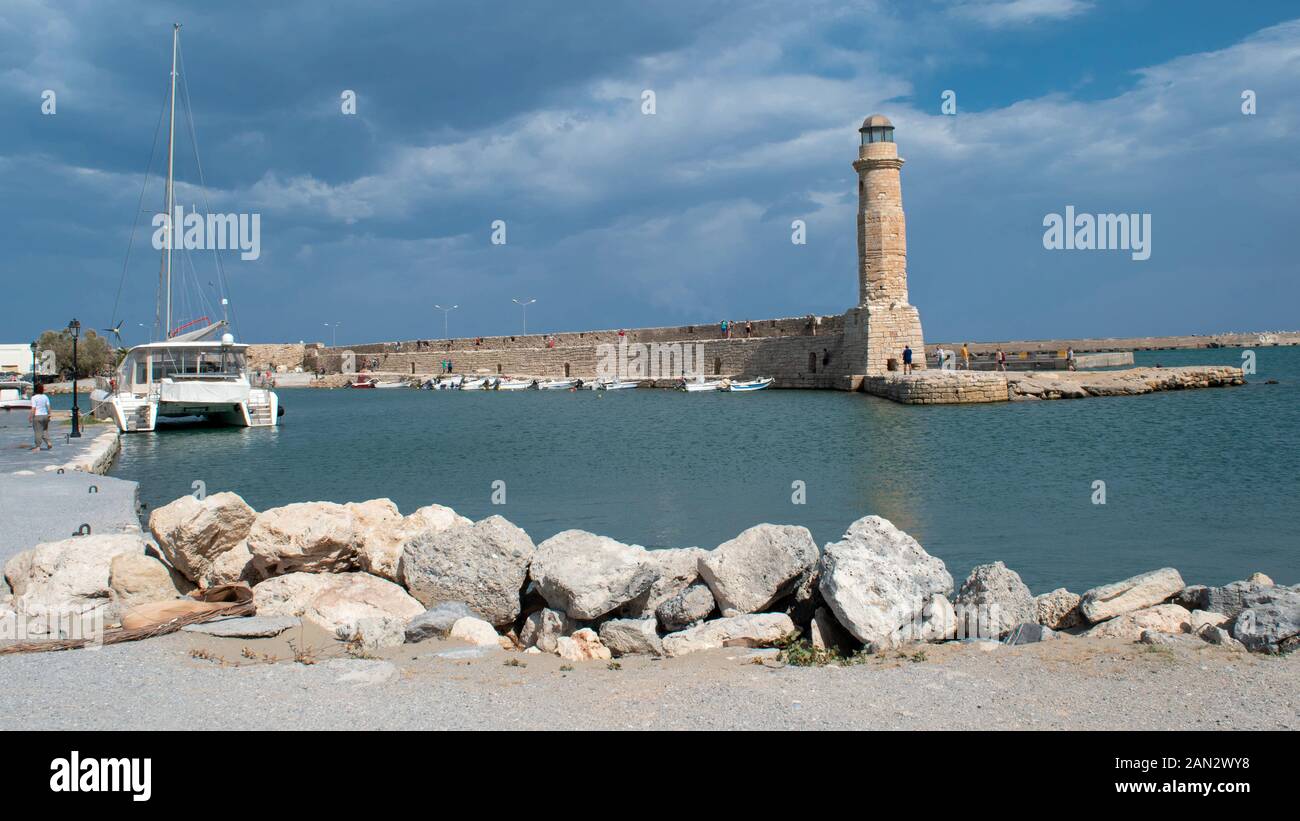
x=136, y=578
x=233, y=566
x=305, y=537
x=475, y=631
x=483, y=565
x=997, y=589
x=382, y=531
x=759, y=566
x=192, y=534
x=583, y=645
x=883, y=587
x=334, y=600
x=587, y=576
x=72, y=576
x=543, y=628
x=678, y=569
x=629, y=637
x=1163, y=618
x=1058, y=609
x=1199, y=619
x=756, y=629
x=373, y=633
x=1135, y=593
x=687, y=609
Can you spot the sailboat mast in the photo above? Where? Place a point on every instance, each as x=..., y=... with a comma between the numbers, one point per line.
x=171, y=149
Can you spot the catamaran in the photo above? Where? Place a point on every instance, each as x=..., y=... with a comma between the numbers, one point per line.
x=197, y=369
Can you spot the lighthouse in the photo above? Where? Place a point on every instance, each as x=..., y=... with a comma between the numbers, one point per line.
x=884, y=322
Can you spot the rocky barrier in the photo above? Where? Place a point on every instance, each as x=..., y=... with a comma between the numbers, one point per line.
x=939, y=387
x=375, y=579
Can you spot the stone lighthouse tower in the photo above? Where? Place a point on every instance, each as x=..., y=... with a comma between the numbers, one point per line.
x=884, y=322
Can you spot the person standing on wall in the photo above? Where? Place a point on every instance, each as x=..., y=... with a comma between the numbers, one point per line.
x=39, y=416
x=965, y=356
x=1001, y=359
x=907, y=359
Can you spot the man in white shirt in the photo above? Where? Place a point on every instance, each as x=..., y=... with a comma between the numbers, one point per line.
x=40, y=417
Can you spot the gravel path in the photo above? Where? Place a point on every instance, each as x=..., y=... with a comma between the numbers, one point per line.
x=1066, y=684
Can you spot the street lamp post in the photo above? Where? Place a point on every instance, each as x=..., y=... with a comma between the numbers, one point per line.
x=33, y=368
x=524, y=304
x=445, y=312
x=335, y=333
x=75, y=328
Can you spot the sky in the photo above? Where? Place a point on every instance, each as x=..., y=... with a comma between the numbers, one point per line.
x=533, y=113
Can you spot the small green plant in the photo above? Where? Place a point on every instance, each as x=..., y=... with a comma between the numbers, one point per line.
x=798, y=652
x=566, y=668
x=613, y=665
x=515, y=663
x=918, y=656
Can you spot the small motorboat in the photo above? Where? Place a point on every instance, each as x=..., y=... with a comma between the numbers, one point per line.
x=362, y=382
x=514, y=384
x=451, y=383
x=389, y=385
x=614, y=385
x=558, y=384
x=15, y=395
x=699, y=385
x=473, y=384
x=752, y=385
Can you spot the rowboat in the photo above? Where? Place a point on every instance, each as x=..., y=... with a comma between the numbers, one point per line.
x=389, y=385
x=753, y=385
x=362, y=382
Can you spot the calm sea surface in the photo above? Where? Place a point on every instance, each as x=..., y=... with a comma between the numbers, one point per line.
x=1206, y=481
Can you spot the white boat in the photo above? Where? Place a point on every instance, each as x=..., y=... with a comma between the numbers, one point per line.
x=451, y=383
x=752, y=385
x=15, y=395
x=473, y=384
x=614, y=385
x=557, y=384
x=390, y=385
x=700, y=385
x=514, y=384
x=200, y=372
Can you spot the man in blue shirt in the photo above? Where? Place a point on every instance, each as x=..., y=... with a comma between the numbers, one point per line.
x=907, y=359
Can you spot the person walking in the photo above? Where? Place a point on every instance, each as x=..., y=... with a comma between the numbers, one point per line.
x=1001, y=360
x=39, y=416
x=965, y=356
x=1069, y=357
x=907, y=359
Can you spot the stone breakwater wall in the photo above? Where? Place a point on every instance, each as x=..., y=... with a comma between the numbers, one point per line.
x=272, y=356
x=377, y=579
x=803, y=360
x=1256, y=339
x=936, y=387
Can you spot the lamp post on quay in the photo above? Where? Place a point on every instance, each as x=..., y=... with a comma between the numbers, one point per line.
x=74, y=327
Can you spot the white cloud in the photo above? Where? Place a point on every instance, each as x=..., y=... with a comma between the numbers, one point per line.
x=1003, y=13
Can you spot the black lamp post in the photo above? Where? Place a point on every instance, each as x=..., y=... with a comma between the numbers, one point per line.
x=75, y=328
x=33, y=347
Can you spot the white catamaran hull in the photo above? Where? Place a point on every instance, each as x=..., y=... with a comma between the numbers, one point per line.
x=246, y=408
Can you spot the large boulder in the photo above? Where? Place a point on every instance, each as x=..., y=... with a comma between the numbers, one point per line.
x=1058, y=609
x=997, y=589
x=1229, y=599
x=334, y=600
x=686, y=609
x=631, y=637
x=761, y=565
x=1270, y=623
x=884, y=588
x=752, y=630
x=543, y=629
x=231, y=567
x=678, y=568
x=382, y=531
x=136, y=578
x=192, y=533
x=305, y=537
x=1135, y=593
x=1162, y=618
x=483, y=565
x=68, y=577
x=587, y=576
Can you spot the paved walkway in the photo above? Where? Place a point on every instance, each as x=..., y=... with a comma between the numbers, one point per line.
x=44, y=506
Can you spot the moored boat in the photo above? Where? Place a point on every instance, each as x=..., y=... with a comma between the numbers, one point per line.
x=752, y=385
